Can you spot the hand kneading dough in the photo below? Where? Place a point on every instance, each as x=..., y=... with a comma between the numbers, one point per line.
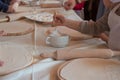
x=90, y=69
x=14, y=57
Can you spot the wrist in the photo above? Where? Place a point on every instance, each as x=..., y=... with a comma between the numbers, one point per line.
x=10, y=9
x=72, y=24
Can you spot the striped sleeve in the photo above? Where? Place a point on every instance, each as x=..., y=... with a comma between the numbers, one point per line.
x=95, y=28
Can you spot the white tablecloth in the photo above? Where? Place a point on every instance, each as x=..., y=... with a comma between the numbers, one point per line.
x=45, y=69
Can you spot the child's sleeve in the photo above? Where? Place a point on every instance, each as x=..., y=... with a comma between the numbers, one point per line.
x=3, y=6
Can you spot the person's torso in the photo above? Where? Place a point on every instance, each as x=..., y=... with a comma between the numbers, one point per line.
x=114, y=24
x=79, y=6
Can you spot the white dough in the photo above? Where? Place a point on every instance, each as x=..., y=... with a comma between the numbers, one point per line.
x=41, y=17
x=14, y=57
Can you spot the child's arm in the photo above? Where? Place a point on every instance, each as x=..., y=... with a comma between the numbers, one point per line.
x=3, y=6
x=8, y=8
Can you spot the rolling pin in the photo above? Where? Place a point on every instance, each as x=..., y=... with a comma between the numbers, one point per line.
x=67, y=54
x=14, y=17
x=4, y=20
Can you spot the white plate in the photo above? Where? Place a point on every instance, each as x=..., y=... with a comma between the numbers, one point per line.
x=90, y=69
x=41, y=17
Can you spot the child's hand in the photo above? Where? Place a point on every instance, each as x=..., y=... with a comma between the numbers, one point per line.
x=104, y=37
x=58, y=20
x=70, y=4
x=12, y=8
x=49, y=55
x=1, y=63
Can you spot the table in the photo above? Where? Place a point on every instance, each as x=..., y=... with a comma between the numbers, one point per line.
x=43, y=69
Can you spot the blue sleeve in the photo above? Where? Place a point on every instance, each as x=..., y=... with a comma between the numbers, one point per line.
x=3, y=6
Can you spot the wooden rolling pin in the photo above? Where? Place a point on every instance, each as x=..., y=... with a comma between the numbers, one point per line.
x=68, y=54
x=51, y=4
x=4, y=20
x=14, y=17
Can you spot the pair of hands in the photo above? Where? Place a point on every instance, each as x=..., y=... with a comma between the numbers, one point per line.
x=60, y=20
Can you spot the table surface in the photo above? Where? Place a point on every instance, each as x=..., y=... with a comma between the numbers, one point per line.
x=42, y=69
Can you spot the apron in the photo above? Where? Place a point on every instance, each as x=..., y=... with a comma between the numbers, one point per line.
x=114, y=24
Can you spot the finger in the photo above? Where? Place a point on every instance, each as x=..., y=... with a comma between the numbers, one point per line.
x=1, y=63
x=59, y=18
x=56, y=19
x=1, y=31
x=42, y=55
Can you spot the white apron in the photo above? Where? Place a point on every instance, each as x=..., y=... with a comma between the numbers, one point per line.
x=114, y=24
